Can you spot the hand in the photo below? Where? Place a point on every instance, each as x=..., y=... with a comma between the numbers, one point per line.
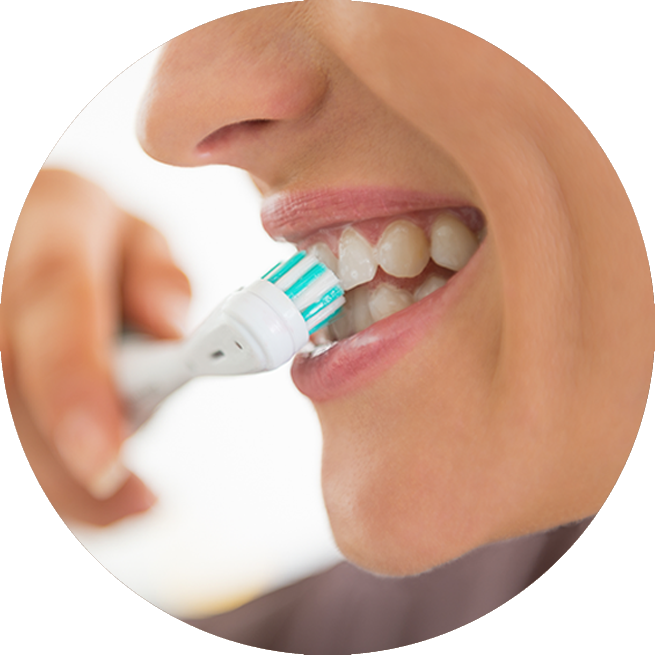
x=78, y=267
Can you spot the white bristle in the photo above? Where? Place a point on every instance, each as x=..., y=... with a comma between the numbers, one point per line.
x=316, y=290
x=324, y=314
x=313, y=293
x=295, y=273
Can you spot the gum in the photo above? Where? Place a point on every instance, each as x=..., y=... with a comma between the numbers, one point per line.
x=373, y=228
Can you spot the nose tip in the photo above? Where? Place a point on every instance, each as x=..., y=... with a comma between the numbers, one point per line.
x=227, y=92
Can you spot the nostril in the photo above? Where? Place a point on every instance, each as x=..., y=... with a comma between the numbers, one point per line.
x=220, y=138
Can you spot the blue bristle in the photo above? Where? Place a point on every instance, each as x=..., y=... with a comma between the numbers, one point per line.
x=323, y=323
x=303, y=282
x=298, y=282
x=265, y=276
x=328, y=298
x=284, y=267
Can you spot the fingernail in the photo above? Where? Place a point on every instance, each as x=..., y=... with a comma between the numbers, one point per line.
x=109, y=481
x=174, y=307
x=84, y=445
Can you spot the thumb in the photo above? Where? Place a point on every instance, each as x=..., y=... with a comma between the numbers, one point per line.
x=156, y=293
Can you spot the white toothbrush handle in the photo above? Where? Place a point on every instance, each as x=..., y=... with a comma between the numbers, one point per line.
x=146, y=372
x=255, y=329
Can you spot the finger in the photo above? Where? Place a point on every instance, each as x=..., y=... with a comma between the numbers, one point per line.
x=59, y=315
x=69, y=498
x=156, y=293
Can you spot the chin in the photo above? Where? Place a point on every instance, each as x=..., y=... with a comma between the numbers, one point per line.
x=388, y=517
x=390, y=554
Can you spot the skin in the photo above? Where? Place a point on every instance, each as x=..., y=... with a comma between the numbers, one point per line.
x=518, y=412
x=411, y=476
x=77, y=263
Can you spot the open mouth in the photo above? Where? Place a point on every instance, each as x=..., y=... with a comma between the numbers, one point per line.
x=402, y=258
x=386, y=265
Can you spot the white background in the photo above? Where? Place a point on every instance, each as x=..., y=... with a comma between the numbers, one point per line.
x=234, y=461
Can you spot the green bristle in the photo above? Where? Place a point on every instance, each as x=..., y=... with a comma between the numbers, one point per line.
x=282, y=268
x=315, y=308
x=308, y=278
x=323, y=323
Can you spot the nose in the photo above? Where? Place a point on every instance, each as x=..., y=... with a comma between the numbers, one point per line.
x=240, y=91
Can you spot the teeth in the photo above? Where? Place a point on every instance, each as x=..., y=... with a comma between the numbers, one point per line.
x=361, y=313
x=357, y=264
x=321, y=337
x=386, y=300
x=364, y=307
x=320, y=349
x=355, y=316
x=452, y=242
x=341, y=328
x=403, y=249
x=323, y=253
x=433, y=283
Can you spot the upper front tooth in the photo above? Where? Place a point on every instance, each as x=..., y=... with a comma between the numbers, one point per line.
x=452, y=242
x=323, y=253
x=386, y=300
x=357, y=264
x=403, y=249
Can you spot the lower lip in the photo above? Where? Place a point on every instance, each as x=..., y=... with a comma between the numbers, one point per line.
x=356, y=362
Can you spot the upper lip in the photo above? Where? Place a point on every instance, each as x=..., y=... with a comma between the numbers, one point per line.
x=294, y=216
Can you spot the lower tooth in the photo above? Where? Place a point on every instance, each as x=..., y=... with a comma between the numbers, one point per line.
x=431, y=284
x=321, y=337
x=361, y=314
x=386, y=300
x=342, y=327
x=319, y=350
x=355, y=315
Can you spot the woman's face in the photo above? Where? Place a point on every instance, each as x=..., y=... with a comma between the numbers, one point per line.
x=505, y=401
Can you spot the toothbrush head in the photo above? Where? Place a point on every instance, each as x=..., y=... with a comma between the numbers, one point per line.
x=263, y=325
x=312, y=287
